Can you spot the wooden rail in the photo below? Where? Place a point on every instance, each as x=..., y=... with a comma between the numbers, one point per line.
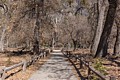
x=24, y=64
x=90, y=68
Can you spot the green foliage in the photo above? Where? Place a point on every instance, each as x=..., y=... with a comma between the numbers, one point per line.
x=99, y=66
x=95, y=78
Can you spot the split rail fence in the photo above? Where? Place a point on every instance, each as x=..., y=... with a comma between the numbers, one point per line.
x=90, y=69
x=24, y=64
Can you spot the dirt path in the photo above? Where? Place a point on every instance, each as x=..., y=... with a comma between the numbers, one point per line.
x=56, y=68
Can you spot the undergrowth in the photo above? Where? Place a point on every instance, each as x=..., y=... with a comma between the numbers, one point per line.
x=98, y=65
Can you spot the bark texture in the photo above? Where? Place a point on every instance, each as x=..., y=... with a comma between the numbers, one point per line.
x=36, y=32
x=102, y=8
x=117, y=21
x=103, y=44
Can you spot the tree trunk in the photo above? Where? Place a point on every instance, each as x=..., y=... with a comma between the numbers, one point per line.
x=74, y=44
x=117, y=42
x=102, y=9
x=53, y=41
x=36, y=41
x=94, y=21
x=2, y=39
x=117, y=20
x=102, y=46
x=36, y=33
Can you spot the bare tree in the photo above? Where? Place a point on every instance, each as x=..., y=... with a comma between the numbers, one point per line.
x=39, y=9
x=4, y=22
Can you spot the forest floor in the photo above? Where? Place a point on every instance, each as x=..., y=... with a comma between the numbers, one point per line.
x=109, y=66
x=8, y=59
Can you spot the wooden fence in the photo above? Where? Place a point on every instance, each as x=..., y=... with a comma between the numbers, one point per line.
x=24, y=64
x=90, y=69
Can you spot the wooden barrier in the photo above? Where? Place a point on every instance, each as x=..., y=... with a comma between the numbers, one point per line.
x=88, y=65
x=24, y=64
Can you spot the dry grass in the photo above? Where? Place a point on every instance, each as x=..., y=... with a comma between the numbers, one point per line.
x=112, y=66
x=17, y=73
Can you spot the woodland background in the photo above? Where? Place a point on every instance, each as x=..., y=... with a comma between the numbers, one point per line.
x=62, y=23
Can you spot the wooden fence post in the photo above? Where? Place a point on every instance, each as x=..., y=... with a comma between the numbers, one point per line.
x=89, y=71
x=43, y=54
x=4, y=74
x=81, y=64
x=112, y=78
x=70, y=55
x=24, y=65
x=46, y=53
x=1, y=73
x=77, y=57
x=67, y=53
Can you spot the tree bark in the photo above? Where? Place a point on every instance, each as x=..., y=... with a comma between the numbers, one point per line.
x=117, y=42
x=36, y=40
x=117, y=21
x=36, y=33
x=74, y=44
x=53, y=40
x=102, y=9
x=103, y=44
x=2, y=39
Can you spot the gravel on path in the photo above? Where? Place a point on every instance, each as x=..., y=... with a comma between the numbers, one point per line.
x=56, y=68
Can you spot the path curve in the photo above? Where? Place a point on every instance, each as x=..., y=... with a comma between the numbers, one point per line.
x=56, y=68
